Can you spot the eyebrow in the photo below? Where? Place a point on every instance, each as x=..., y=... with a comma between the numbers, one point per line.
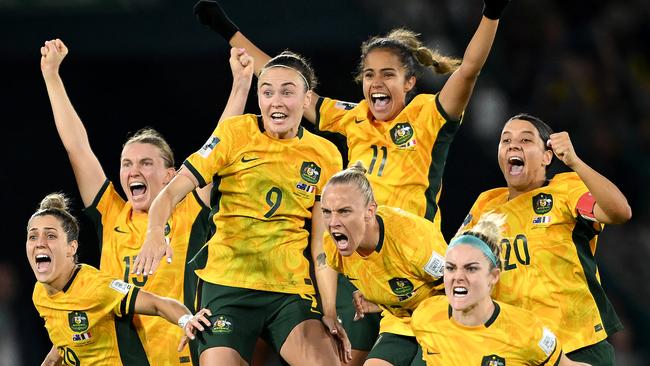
x=526, y=132
x=45, y=228
x=384, y=69
x=287, y=83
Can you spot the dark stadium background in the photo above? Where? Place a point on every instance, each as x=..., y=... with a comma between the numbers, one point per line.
x=583, y=66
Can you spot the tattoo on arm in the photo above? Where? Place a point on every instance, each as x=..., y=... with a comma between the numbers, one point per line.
x=321, y=259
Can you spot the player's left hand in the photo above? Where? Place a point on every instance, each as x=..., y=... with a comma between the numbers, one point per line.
x=199, y=322
x=343, y=346
x=155, y=247
x=562, y=147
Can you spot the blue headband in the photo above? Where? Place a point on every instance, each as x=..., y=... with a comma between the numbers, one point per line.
x=475, y=242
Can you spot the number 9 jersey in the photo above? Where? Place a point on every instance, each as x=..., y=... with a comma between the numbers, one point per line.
x=548, y=258
x=264, y=191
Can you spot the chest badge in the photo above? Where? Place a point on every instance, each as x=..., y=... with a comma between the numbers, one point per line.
x=403, y=135
x=78, y=321
x=310, y=172
x=542, y=203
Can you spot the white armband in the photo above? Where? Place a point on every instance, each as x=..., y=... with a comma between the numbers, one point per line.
x=183, y=320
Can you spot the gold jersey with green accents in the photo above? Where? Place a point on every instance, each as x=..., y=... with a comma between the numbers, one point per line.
x=122, y=231
x=405, y=268
x=88, y=321
x=548, y=258
x=511, y=336
x=264, y=191
x=405, y=157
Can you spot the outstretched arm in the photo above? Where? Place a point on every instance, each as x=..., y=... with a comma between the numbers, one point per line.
x=53, y=358
x=174, y=312
x=87, y=169
x=210, y=13
x=456, y=92
x=155, y=246
x=611, y=205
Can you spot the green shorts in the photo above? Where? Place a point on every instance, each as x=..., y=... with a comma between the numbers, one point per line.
x=362, y=333
x=397, y=349
x=240, y=316
x=599, y=354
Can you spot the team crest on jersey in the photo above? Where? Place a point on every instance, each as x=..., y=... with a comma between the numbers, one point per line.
x=403, y=135
x=78, y=321
x=542, y=203
x=493, y=360
x=168, y=229
x=401, y=287
x=222, y=325
x=310, y=172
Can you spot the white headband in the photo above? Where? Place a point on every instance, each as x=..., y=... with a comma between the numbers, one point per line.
x=286, y=67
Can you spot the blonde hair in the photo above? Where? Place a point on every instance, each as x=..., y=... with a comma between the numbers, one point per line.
x=488, y=230
x=150, y=136
x=355, y=175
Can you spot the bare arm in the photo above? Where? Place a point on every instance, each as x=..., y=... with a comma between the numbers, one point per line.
x=327, y=279
x=155, y=247
x=87, y=169
x=241, y=65
x=174, y=312
x=611, y=205
x=53, y=358
x=456, y=92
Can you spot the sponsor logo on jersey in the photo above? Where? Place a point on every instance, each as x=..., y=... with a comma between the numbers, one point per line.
x=121, y=286
x=403, y=135
x=222, y=325
x=401, y=287
x=209, y=145
x=310, y=172
x=542, y=203
x=78, y=321
x=493, y=360
x=118, y=230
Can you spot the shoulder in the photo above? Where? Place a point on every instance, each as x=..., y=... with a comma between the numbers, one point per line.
x=565, y=180
x=486, y=197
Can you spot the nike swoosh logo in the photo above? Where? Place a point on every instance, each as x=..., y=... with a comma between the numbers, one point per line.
x=117, y=229
x=433, y=353
x=357, y=121
x=244, y=160
x=351, y=279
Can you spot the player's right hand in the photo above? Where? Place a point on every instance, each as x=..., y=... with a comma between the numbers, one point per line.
x=242, y=66
x=52, y=54
x=154, y=248
x=363, y=306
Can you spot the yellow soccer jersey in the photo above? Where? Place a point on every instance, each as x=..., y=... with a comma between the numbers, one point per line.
x=512, y=337
x=122, y=232
x=405, y=268
x=548, y=258
x=88, y=320
x=265, y=190
x=405, y=157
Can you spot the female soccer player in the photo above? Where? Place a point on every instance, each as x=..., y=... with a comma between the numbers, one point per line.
x=394, y=258
x=550, y=240
x=146, y=165
x=254, y=274
x=402, y=139
x=87, y=312
x=467, y=327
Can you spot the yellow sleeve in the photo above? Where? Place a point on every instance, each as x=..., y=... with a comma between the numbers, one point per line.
x=216, y=152
x=546, y=348
x=121, y=296
x=330, y=114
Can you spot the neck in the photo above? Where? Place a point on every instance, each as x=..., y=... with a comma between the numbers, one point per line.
x=476, y=314
x=370, y=238
x=59, y=283
x=514, y=192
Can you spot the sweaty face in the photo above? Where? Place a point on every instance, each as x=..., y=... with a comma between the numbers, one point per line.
x=384, y=84
x=48, y=251
x=346, y=216
x=468, y=278
x=143, y=174
x=522, y=156
x=282, y=100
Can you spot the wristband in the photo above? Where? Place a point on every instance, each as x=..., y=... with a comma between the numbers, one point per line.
x=492, y=9
x=183, y=320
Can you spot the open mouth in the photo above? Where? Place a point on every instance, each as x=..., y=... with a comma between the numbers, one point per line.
x=515, y=165
x=137, y=189
x=341, y=241
x=380, y=100
x=278, y=116
x=460, y=291
x=43, y=262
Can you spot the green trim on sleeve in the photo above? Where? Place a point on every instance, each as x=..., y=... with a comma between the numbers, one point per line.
x=195, y=173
